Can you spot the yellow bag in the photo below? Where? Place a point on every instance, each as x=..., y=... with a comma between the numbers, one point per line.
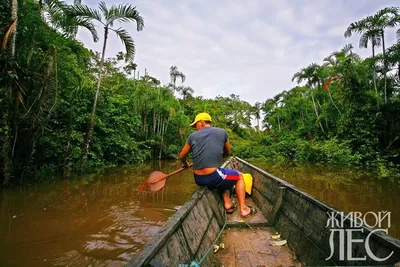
x=248, y=181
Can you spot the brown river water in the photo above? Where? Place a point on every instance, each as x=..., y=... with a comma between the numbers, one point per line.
x=101, y=220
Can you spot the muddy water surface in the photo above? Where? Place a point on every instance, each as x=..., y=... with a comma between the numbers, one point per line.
x=97, y=220
x=101, y=220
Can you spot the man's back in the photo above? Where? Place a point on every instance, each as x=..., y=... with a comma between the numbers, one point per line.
x=207, y=147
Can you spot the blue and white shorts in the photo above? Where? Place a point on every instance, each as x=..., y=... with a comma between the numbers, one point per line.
x=221, y=179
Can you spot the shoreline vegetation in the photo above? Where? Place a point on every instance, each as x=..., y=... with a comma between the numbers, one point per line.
x=67, y=110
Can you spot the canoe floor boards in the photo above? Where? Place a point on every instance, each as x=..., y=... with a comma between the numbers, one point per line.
x=247, y=243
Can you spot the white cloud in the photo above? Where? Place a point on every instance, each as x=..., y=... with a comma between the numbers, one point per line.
x=248, y=48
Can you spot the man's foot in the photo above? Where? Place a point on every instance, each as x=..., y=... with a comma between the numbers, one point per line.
x=232, y=209
x=235, y=164
x=251, y=212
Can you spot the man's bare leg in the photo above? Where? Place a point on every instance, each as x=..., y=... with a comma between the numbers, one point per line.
x=227, y=200
x=241, y=195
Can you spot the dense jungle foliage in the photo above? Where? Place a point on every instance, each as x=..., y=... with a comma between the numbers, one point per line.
x=65, y=109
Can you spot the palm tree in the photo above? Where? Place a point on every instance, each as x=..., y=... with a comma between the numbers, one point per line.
x=107, y=17
x=339, y=56
x=257, y=113
x=376, y=40
x=309, y=74
x=174, y=73
x=330, y=60
x=373, y=26
x=185, y=91
x=268, y=107
x=367, y=34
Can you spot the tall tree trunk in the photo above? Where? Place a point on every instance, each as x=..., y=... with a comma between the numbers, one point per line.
x=146, y=131
x=154, y=122
x=162, y=138
x=91, y=124
x=7, y=147
x=279, y=123
x=374, y=70
x=14, y=17
x=333, y=103
x=159, y=124
x=315, y=109
x=67, y=160
x=6, y=150
x=384, y=65
x=373, y=58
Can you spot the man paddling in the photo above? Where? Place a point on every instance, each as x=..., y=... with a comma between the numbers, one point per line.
x=208, y=145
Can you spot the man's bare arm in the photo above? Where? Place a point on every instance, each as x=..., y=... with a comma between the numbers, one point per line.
x=227, y=148
x=184, y=152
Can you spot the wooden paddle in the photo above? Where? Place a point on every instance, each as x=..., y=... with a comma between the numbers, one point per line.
x=156, y=180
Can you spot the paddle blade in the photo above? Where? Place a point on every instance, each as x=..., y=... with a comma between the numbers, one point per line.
x=154, y=183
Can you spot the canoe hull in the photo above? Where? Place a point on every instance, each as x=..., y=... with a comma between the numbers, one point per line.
x=187, y=235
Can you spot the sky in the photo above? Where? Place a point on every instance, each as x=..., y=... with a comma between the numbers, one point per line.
x=248, y=48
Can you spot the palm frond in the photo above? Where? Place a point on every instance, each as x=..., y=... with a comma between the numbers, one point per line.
x=175, y=73
x=359, y=26
x=126, y=13
x=377, y=40
x=182, y=76
x=347, y=49
x=364, y=39
x=55, y=6
x=84, y=12
x=171, y=87
x=87, y=23
x=348, y=32
x=355, y=27
x=173, y=69
x=106, y=12
x=388, y=11
x=296, y=76
x=127, y=41
x=398, y=35
x=8, y=32
x=330, y=61
x=187, y=90
x=54, y=11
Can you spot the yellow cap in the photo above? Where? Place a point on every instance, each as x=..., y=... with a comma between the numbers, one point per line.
x=201, y=117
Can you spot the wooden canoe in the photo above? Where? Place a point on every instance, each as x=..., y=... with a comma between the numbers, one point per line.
x=300, y=219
